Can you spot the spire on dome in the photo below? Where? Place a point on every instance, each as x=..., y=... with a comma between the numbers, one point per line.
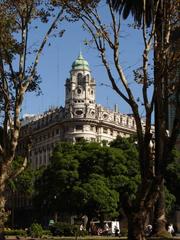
x=80, y=63
x=80, y=54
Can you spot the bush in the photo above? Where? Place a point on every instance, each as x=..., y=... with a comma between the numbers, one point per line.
x=47, y=233
x=164, y=235
x=15, y=232
x=36, y=230
x=124, y=232
x=66, y=229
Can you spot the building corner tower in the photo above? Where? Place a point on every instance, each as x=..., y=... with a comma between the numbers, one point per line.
x=80, y=91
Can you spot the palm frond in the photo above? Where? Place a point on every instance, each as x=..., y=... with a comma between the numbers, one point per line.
x=135, y=8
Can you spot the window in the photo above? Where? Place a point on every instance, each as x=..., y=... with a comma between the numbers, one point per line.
x=79, y=91
x=53, y=133
x=79, y=139
x=40, y=160
x=105, y=116
x=92, y=113
x=87, y=77
x=92, y=128
x=79, y=79
x=105, y=130
x=79, y=127
x=79, y=112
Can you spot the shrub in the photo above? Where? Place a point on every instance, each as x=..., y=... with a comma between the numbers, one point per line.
x=66, y=229
x=36, y=230
x=164, y=235
x=15, y=232
x=124, y=232
x=47, y=233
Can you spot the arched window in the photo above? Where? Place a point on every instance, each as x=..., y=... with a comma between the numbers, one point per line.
x=79, y=78
x=87, y=77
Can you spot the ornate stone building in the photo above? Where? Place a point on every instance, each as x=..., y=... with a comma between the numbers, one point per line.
x=81, y=118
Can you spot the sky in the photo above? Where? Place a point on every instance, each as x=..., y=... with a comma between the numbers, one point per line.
x=56, y=60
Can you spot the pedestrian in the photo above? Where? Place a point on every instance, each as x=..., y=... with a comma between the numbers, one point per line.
x=116, y=231
x=85, y=221
x=171, y=228
x=106, y=229
x=148, y=230
x=81, y=227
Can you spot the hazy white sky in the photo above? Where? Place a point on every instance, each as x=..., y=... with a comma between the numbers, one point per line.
x=56, y=60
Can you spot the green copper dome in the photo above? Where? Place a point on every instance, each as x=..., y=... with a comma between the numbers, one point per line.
x=80, y=63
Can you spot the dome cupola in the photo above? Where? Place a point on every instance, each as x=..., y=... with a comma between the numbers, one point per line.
x=80, y=63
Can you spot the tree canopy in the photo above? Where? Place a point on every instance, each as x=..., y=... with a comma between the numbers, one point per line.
x=88, y=178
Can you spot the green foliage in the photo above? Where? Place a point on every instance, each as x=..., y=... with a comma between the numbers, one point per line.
x=99, y=196
x=15, y=232
x=24, y=182
x=91, y=179
x=170, y=200
x=36, y=230
x=47, y=233
x=172, y=175
x=88, y=178
x=130, y=178
x=124, y=232
x=66, y=229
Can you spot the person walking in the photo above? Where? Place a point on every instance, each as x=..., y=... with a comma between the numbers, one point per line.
x=171, y=228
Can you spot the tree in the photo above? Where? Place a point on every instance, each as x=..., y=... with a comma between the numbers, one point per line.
x=22, y=185
x=18, y=74
x=161, y=39
x=54, y=189
x=172, y=177
x=19, y=57
x=88, y=178
x=106, y=38
x=136, y=9
x=24, y=182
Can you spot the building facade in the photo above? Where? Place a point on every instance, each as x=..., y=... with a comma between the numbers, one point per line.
x=81, y=118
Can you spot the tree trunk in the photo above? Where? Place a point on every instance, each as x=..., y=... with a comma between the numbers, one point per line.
x=159, y=224
x=136, y=226
x=3, y=213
